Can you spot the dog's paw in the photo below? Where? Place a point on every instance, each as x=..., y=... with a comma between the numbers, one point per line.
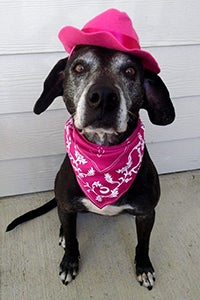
x=68, y=269
x=146, y=275
x=146, y=279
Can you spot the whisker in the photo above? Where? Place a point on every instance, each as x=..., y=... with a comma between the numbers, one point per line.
x=132, y=115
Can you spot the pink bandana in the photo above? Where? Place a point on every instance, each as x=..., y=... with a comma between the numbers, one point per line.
x=104, y=173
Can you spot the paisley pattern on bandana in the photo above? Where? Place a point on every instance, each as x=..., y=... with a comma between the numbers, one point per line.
x=104, y=173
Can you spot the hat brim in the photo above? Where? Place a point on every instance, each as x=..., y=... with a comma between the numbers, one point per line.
x=71, y=37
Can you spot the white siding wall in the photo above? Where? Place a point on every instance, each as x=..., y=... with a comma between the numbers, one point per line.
x=31, y=147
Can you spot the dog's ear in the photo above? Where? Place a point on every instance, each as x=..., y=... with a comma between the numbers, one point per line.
x=53, y=87
x=157, y=100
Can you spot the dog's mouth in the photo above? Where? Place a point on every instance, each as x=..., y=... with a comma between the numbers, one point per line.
x=101, y=134
x=98, y=130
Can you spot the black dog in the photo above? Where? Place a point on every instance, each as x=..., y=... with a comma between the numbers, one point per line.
x=103, y=91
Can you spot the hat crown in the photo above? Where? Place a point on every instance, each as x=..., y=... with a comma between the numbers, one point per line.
x=111, y=29
x=113, y=20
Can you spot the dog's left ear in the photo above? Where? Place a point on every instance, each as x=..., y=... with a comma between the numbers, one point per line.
x=157, y=100
x=53, y=87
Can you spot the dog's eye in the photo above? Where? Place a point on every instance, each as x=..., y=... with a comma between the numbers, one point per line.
x=79, y=68
x=130, y=72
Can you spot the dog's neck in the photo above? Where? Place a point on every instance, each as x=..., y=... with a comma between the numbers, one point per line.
x=108, y=137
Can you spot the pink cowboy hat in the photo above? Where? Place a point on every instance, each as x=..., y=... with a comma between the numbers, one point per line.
x=111, y=29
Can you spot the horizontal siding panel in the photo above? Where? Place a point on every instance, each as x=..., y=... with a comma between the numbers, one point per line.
x=180, y=69
x=28, y=135
x=24, y=75
x=32, y=26
x=23, y=80
x=28, y=175
x=185, y=126
x=38, y=174
x=176, y=156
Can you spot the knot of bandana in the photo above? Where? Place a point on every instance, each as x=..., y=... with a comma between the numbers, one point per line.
x=104, y=173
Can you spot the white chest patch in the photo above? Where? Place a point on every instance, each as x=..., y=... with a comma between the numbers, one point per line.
x=109, y=210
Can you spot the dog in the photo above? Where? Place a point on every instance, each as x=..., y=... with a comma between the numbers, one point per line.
x=104, y=90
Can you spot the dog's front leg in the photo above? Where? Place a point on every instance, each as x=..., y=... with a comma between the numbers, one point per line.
x=144, y=269
x=70, y=262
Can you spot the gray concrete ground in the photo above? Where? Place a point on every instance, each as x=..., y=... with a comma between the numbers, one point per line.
x=30, y=254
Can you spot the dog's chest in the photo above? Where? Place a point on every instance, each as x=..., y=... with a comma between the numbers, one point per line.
x=109, y=210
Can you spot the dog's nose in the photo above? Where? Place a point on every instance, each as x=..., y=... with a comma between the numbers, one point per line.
x=101, y=96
